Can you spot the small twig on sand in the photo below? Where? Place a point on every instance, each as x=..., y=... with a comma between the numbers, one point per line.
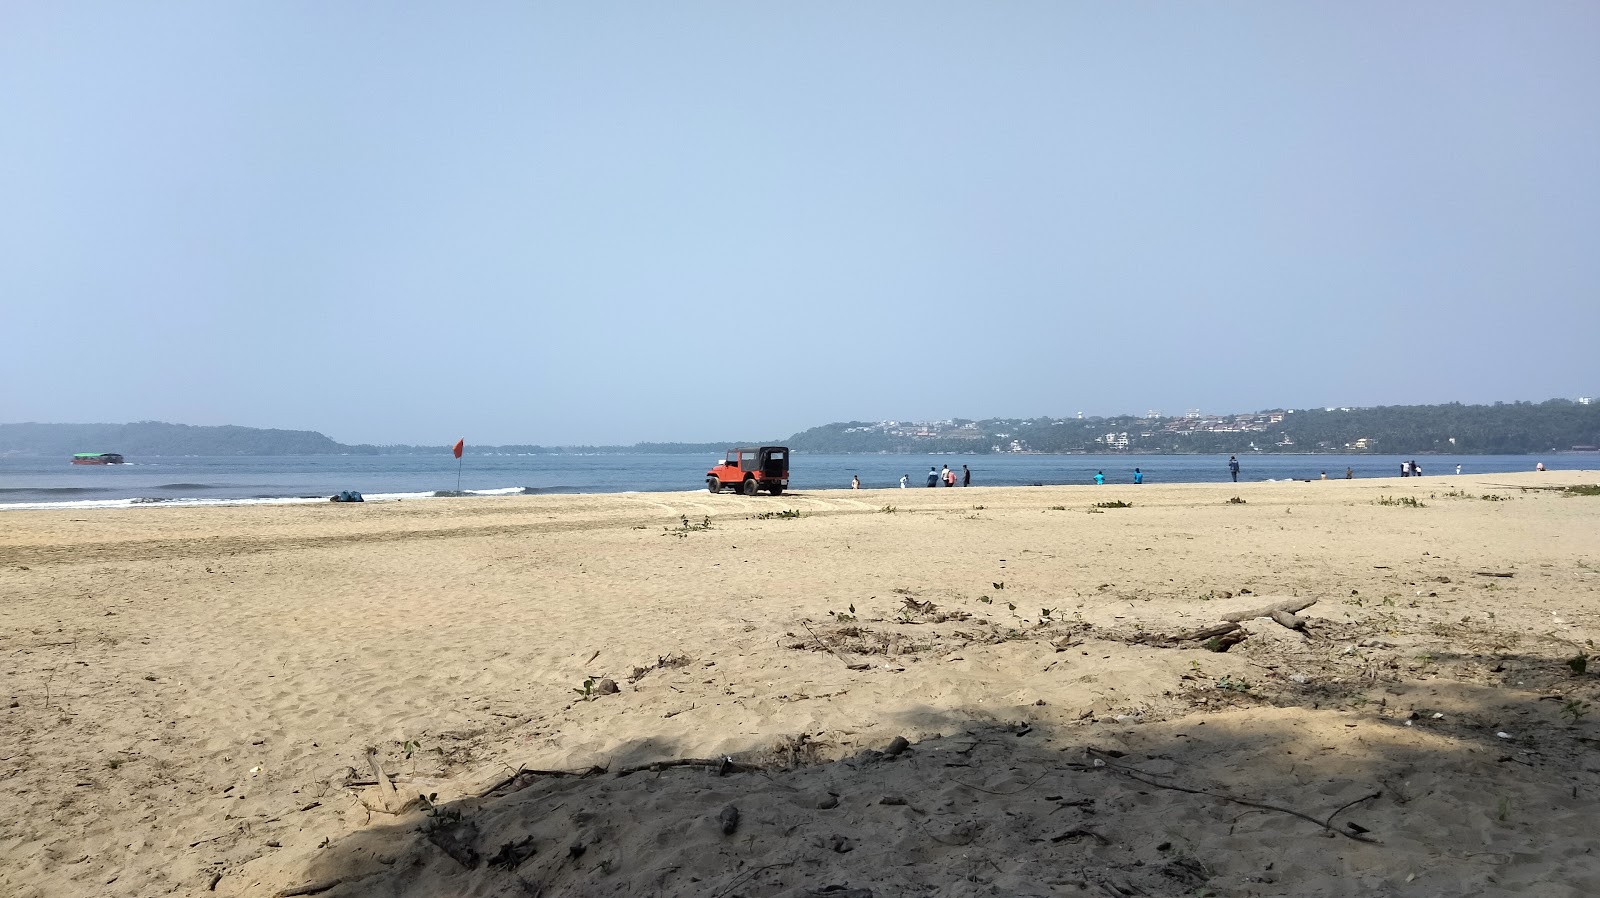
x=722, y=765
x=214, y=838
x=825, y=647
x=1329, y=823
x=525, y=776
x=310, y=888
x=750, y=874
x=314, y=804
x=1133, y=773
x=1024, y=788
x=1080, y=831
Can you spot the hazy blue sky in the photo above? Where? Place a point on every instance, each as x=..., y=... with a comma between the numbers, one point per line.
x=608, y=222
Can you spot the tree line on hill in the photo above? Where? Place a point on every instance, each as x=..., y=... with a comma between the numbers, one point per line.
x=1501, y=428
x=156, y=438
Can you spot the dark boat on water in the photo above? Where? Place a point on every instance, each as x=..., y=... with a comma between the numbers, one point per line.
x=97, y=458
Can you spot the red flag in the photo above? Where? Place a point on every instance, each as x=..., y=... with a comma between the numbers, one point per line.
x=460, y=445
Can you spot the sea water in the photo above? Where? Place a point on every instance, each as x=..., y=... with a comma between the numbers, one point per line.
x=33, y=482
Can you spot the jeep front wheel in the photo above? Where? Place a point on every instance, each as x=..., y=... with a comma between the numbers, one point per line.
x=751, y=487
x=713, y=484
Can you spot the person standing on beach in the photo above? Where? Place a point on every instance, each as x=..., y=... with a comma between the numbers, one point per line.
x=1458, y=469
x=966, y=476
x=904, y=479
x=933, y=476
x=1099, y=477
x=1405, y=469
x=1233, y=467
x=855, y=482
x=948, y=476
x=1416, y=469
x=1349, y=473
x=1138, y=476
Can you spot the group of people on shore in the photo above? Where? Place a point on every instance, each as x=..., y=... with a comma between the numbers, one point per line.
x=936, y=477
x=947, y=477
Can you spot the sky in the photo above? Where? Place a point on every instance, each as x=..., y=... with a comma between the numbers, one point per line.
x=601, y=223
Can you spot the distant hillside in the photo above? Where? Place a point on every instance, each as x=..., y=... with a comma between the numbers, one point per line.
x=154, y=438
x=1502, y=428
x=157, y=438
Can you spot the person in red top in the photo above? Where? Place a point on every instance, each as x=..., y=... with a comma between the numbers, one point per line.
x=949, y=477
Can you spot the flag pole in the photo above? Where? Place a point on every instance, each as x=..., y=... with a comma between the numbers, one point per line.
x=457, y=449
x=459, y=463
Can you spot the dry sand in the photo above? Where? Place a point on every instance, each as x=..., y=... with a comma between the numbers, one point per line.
x=192, y=693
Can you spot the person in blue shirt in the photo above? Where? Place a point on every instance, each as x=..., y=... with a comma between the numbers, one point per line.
x=1138, y=476
x=933, y=476
x=1099, y=477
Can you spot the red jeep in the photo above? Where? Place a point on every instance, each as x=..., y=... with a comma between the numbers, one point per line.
x=752, y=470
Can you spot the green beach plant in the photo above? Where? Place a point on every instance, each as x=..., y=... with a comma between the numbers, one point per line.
x=1229, y=684
x=1404, y=501
x=685, y=527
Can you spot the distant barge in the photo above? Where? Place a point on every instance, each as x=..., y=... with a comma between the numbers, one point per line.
x=97, y=458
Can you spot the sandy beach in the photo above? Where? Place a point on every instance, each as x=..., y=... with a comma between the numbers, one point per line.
x=984, y=691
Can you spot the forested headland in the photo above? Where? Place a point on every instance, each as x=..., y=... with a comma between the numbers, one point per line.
x=1501, y=428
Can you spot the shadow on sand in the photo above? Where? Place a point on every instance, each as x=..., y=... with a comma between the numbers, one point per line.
x=1264, y=796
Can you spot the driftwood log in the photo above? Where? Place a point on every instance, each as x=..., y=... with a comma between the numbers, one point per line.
x=1226, y=641
x=1204, y=633
x=1292, y=621
x=1288, y=606
x=386, y=791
